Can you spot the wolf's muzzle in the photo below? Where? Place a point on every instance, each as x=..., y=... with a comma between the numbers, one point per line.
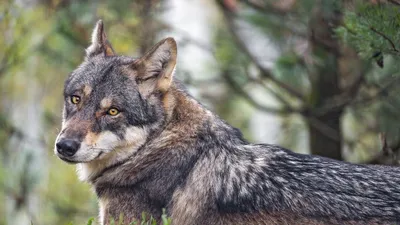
x=67, y=147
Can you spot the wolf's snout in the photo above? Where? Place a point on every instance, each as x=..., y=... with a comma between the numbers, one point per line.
x=67, y=147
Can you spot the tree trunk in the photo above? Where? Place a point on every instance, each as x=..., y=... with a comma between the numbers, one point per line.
x=325, y=81
x=25, y=158
x=148, y=27
x=323, y=144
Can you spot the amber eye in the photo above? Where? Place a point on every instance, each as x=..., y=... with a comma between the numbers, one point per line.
x=113, y=112
x=75, y=99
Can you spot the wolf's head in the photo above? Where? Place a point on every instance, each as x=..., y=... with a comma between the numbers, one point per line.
x=112, y=103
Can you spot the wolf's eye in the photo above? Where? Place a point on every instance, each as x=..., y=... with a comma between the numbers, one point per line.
x=75, y=99
x=113, y=112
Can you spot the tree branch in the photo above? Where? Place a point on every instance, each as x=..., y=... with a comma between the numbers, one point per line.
x=229, y=17
x=385, y=37
x=314, y=122
x=187, y=37
x=232, y=83
x=347, y=99
x=388, y=154
x=326, y=130
x=379, y=93
x=265, y=9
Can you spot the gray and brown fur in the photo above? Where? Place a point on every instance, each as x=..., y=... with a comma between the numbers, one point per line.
x=165, y=150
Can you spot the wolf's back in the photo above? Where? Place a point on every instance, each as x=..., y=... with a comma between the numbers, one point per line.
x=266, y=184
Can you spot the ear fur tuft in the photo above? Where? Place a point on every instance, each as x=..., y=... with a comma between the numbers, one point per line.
x=100, y=43
x=158, y=65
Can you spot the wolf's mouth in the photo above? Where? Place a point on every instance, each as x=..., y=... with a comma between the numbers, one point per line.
x=98, y=156
x=68, y=160
x=78, y=161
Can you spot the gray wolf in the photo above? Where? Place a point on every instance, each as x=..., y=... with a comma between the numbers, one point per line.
x=145, y=144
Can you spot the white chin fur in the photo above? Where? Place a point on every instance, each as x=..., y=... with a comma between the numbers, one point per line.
x=134, y=138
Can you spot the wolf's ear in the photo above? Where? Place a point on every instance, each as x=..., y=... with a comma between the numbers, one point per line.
x=100, y=44
x=156, y=68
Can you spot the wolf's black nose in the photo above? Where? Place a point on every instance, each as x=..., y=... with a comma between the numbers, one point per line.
x=67, y=147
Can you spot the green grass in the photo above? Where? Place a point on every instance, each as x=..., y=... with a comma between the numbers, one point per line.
x=145, y=220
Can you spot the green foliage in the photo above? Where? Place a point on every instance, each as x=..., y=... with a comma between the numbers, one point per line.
x=277, y=25
x=290, y=68
x=372, y=29
x=90, y=221
x=145, y=220
x=166, y=220
x=228, y=55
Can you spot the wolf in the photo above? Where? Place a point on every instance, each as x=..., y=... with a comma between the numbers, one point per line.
x=145, y=145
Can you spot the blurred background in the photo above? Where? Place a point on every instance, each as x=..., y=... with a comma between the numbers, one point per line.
x=317, y=77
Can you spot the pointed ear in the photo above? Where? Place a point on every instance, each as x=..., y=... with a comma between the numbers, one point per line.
x=100, y=44
x=156, y=68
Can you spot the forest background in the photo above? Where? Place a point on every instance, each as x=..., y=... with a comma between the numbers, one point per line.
x=314, y=76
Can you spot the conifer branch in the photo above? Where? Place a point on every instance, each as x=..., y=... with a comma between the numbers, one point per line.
x=385, y=37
